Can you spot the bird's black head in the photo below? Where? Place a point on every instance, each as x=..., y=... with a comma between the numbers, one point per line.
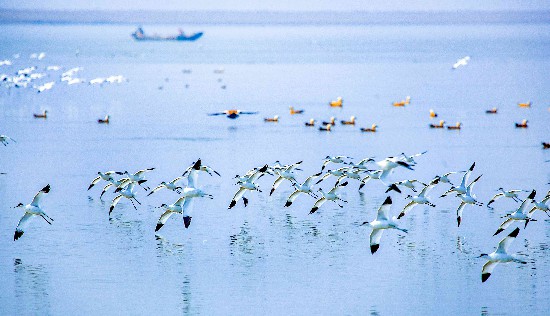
x=197, y=165
x=483, y=255
x=19, y=205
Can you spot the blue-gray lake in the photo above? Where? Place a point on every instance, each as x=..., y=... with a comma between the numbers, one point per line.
x=267, y=259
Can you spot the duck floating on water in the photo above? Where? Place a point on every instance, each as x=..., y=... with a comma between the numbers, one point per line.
x=293, y=111
x=440, y=125
x=232, y=114
x=350, y=122
x=272, y=119
x=337, y=104
x=403, y=102
x=104, y=120
x=457, y=126
x=331, y=122
x=371, y=129
x=545, y=145
x=310, y=123
x=525, y=105
x=523, y=124
x=326, y=128
x=432, y=113
x=42, y=115
x=491, y=111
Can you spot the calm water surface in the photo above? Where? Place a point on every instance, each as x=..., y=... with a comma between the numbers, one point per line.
x=266, y=258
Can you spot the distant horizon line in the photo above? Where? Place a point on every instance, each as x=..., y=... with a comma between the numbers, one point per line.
x=282, y=17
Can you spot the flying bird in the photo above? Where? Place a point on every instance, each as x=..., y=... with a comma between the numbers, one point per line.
x=232, y=114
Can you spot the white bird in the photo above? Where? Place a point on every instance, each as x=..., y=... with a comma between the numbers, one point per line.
x=139, y=176
x=520, y=214
x=467, y=198
x=249, y=185
x=4, y=139
x=461, y=62
x=408, y=184
x=513, y=194
x=286, y=174
x=462, y=188
x=541, y=205
x=121, y=183
x=116, y=79
x=376, y=175
x=98, y=81
x=127, y=192
x=190, y=192
x=421, y=198
x=305, y=187
x=337, y=173
x=45, y=87
x=331, y=195
x=172, y=186
x=335, y=159
x=410, y=159
x=71, y=72
x=382, y=222
x=192, y=172
x=362, y=165
x=38, y=56
x=31, y=210
x=388, y=164
x=500, y=255
x=72, y=81
x=351, y=173
x=445, y=177
x=181, y=206
x=53, y=68
x=26, y=71
x=107, y=176
x=5, y=62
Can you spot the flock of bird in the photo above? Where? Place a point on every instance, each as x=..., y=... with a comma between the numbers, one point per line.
x=338, y=103
x=344, y=171
x=39, y=78
x=340, y=168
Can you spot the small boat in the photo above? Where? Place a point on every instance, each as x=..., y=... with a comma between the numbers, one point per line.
x=491, y=111
x=139, y=35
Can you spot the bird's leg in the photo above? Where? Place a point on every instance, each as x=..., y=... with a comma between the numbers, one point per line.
x=45, y=219
x=133, y=204
x=136, y=201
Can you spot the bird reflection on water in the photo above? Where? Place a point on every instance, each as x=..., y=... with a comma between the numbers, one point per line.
x=32, y=284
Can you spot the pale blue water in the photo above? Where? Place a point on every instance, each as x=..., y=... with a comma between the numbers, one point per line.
x=266, y=258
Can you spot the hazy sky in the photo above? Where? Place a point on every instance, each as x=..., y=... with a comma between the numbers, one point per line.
x=286, y=5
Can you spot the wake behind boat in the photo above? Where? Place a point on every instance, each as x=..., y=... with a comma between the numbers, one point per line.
x=139, y=35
